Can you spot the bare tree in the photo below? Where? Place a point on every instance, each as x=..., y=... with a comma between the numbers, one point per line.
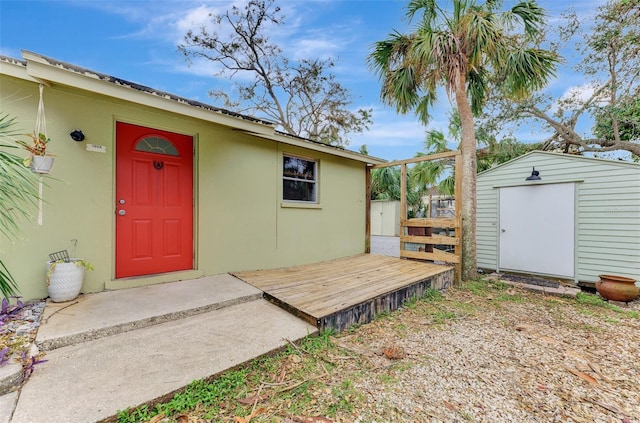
x=302, y=97
x=608, y=99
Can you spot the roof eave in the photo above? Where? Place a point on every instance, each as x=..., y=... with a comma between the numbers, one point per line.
x=42, y=69
x=51, y=71
x=323, y=148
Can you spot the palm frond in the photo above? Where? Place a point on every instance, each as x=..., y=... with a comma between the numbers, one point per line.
x=531, y=15
x=528, y=70
x=18, y=194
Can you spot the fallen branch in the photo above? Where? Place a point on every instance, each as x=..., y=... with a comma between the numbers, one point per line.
x=59, y=310
x=584, y=376
x=608, y=407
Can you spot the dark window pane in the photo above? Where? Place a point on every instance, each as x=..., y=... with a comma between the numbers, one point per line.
x=298, y=190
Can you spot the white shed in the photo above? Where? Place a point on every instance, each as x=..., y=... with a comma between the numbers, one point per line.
x=385, y=218
x=579, y=220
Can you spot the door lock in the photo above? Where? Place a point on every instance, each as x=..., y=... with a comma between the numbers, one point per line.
x=122, y=212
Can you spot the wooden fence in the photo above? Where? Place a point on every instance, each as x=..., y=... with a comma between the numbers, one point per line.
x=441, y=238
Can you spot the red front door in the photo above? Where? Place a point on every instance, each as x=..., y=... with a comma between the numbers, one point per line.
x=154, y=201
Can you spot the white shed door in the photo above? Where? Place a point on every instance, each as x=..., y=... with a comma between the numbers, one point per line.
x=537, y=225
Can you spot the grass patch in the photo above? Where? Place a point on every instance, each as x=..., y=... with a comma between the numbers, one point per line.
x=515, y=298
x=214, y=395
x=344, y=397
x=442, y=315
x=593, y=300
x=290, y=380
x=596, y=301
x=387, y=379
x=432, y=294
x=483, y=287
x=479, y=287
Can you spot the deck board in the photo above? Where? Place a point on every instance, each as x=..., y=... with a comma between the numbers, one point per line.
x=354, y=285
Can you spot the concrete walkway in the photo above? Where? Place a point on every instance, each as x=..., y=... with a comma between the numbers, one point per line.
x=385, y=245
x=120, y=349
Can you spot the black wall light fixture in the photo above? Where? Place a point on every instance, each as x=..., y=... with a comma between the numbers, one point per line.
x=77, y=135
x=535, y=176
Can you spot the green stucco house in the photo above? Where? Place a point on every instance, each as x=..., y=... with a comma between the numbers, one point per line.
x=162, y=188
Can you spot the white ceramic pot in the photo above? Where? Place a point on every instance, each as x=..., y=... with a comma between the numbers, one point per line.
x=65, y=281
x=41, y=164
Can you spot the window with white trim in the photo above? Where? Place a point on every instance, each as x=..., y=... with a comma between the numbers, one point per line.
x=299, y=179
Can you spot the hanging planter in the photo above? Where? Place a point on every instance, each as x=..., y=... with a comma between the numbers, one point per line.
x=617, y=288
x=41, y=164
x=38, y=159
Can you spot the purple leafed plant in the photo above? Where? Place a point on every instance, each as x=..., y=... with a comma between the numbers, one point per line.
x=4, y=356
x=8, y=311
x=29, y=364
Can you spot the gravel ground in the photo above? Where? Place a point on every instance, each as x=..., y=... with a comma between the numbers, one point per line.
x=500, y=356
x=485, y=353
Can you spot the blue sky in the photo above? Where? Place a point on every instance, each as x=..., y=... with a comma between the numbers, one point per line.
x=136, y=40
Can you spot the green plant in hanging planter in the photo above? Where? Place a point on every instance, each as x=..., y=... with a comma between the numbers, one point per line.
x=38, y=146
x=38, y=159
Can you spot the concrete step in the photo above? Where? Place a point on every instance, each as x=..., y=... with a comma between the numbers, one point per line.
x=10, y=377
x=92, y=380
x=103, y=314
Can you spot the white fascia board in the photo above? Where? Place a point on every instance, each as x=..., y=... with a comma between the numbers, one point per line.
x=322, y=148
x=40, y=69
x=15, y=69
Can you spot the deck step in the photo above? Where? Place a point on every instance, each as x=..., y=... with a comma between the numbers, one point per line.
x=337, y=294
x=95, y=316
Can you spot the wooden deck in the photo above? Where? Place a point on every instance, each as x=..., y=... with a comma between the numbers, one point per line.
x=339, y=293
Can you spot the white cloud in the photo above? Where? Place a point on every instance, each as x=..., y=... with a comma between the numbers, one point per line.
x=578, y=93
x=391, y=129
x=312, y=48
x=194, y=19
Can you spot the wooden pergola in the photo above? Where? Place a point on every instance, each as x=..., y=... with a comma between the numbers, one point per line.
x=431, y=253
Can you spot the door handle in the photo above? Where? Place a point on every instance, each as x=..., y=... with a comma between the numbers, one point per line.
x=122, y=212
x=503, y=230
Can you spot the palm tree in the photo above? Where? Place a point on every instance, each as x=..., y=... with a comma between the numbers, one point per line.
x=460, y=49
x=385, y=185
x=18, y=195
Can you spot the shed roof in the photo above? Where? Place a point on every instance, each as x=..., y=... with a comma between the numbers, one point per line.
x=49, y=71
x=574, y=157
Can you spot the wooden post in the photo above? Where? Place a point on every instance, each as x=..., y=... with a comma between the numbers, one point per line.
x=367, y=229
x=403, y=202
x=458, y=200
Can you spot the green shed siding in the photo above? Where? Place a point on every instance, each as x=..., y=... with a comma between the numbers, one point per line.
x=607, y=210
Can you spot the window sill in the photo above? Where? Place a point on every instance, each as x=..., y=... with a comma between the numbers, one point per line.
x=296, y=205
